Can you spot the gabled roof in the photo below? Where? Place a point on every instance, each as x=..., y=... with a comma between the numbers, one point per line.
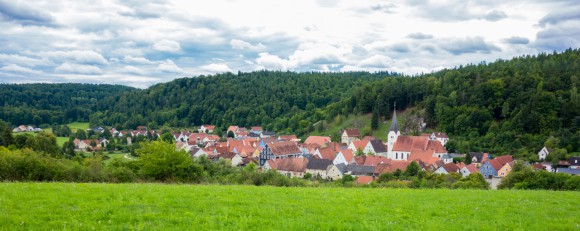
x=391, y=166
x=233, y=128
x=378, y=146
x=360, y=144
x=318, y=164
x=327, y=153
x=291, y=164
x=436, y=146
x=256, y=129
x=320, y=140
x=347, y=154
x=352, y=132
x=284, y=148
x=410, y=143
x=450, y=167
x=374, y=160
x=364, y=179
x=472, y=168
x=499, y=162
x=424, y=155
x=360, y=169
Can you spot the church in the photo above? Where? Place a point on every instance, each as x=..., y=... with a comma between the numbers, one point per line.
x=428, y=148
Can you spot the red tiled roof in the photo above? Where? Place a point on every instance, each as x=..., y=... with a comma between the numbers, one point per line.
x=287, y=137
x=472, y=168
x=348, y=154
x=327, y=153
x=284, y=148
x=352, y=132
x=359, y=160
x=368, y=138
x=360, y=144
x=436, y=146
x=374, y=160
x=290, y=164
x=423, y=155
x=256, y=128
x=320, y=140
x=410, y=143
x=364, y=179
x=450, y=167
x=233, y=128
x=392, y=166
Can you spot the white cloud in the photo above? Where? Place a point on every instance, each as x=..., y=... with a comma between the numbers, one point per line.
x=16, y=68
x=132, y=70
x=79, y=69
x=216, y=68
x=170, y=67
x=140, y=60
x=243, y=45
x=167, y=45
x=79, y=56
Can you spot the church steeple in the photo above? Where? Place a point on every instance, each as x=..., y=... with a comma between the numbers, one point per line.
x=394, y=123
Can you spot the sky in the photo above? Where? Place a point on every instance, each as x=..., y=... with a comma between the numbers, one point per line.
x=141, y=43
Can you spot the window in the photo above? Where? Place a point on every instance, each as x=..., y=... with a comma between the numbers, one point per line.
x=396, y=155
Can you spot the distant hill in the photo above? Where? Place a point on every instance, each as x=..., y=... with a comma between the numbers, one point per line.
x=60, y=103
x=275, y=100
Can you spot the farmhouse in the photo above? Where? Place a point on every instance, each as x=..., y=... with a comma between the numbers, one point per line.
x=350, y=135
x=279, y=150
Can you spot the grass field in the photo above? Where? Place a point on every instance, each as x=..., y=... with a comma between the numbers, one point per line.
x=71, y=206
x=78, y=125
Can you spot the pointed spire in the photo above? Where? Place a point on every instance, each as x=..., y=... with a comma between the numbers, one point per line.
x=394, y=123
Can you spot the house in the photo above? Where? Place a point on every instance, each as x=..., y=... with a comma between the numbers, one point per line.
x=543, y=153
x=505, y=169
x=350, y=135
x=86, y=144
x=142, y=128
x=344, y=156
x=377, y=147
x=447, y=168
x=291, y=167
x=279, y=150
x=197, y=152
x=256, y=130
x=333, y=172
x=358, y=145
x=374, y=160
x=233, y=129
x=469, y=169
x=479, y=157
x=439, y=136
x=264, y=135
x=321, y=141
x=235, y=158
x=318, y=167
x=572, y=167
x=491, y=167
x=574, y=162
x=206, y=128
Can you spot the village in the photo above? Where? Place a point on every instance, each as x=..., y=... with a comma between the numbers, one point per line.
x=365, y=158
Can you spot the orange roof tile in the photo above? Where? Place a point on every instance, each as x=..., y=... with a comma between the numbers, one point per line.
x=320, y=140
x=392, y=166
x=327, y=153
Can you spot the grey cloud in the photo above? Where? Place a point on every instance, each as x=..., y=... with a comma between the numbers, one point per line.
x=559, y=37
x=495, y=15
x=419, y=36
x=400, y=47
x=388, y=8
x=517, y=40
x=24, y=14
x=558, y=16
x=469, y=45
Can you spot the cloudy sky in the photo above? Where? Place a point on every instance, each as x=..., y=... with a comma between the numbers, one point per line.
x=140, y=43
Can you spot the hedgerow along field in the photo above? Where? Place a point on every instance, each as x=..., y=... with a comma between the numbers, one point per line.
x=73, y=206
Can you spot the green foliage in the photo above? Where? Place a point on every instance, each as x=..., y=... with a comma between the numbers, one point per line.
x=523, y=177
x=61, y=130
x=160, y=161
x=48, y=104
x=375, y=120
x=412, y=169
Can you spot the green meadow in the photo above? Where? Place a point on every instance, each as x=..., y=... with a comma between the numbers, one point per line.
x=74, y=206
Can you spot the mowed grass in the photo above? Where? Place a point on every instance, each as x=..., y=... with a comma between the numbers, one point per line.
x=78, y=125
x=72, y=206
x=60, y=140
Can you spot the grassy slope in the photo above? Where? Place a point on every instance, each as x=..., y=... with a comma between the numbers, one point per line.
x=78, y=125
x=196, y=207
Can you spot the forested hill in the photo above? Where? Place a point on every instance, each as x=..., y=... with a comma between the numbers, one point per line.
x=49, y=104
x=273, y=99
x=504, y=107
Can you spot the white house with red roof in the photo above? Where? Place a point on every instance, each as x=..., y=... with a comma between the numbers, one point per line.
x=206, y=127
x=350, y=135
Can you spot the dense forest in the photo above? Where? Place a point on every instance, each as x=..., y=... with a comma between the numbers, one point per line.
x=47, y=104
x=273, y=99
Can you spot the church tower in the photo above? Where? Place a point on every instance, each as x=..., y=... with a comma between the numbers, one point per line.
x=394, y=132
